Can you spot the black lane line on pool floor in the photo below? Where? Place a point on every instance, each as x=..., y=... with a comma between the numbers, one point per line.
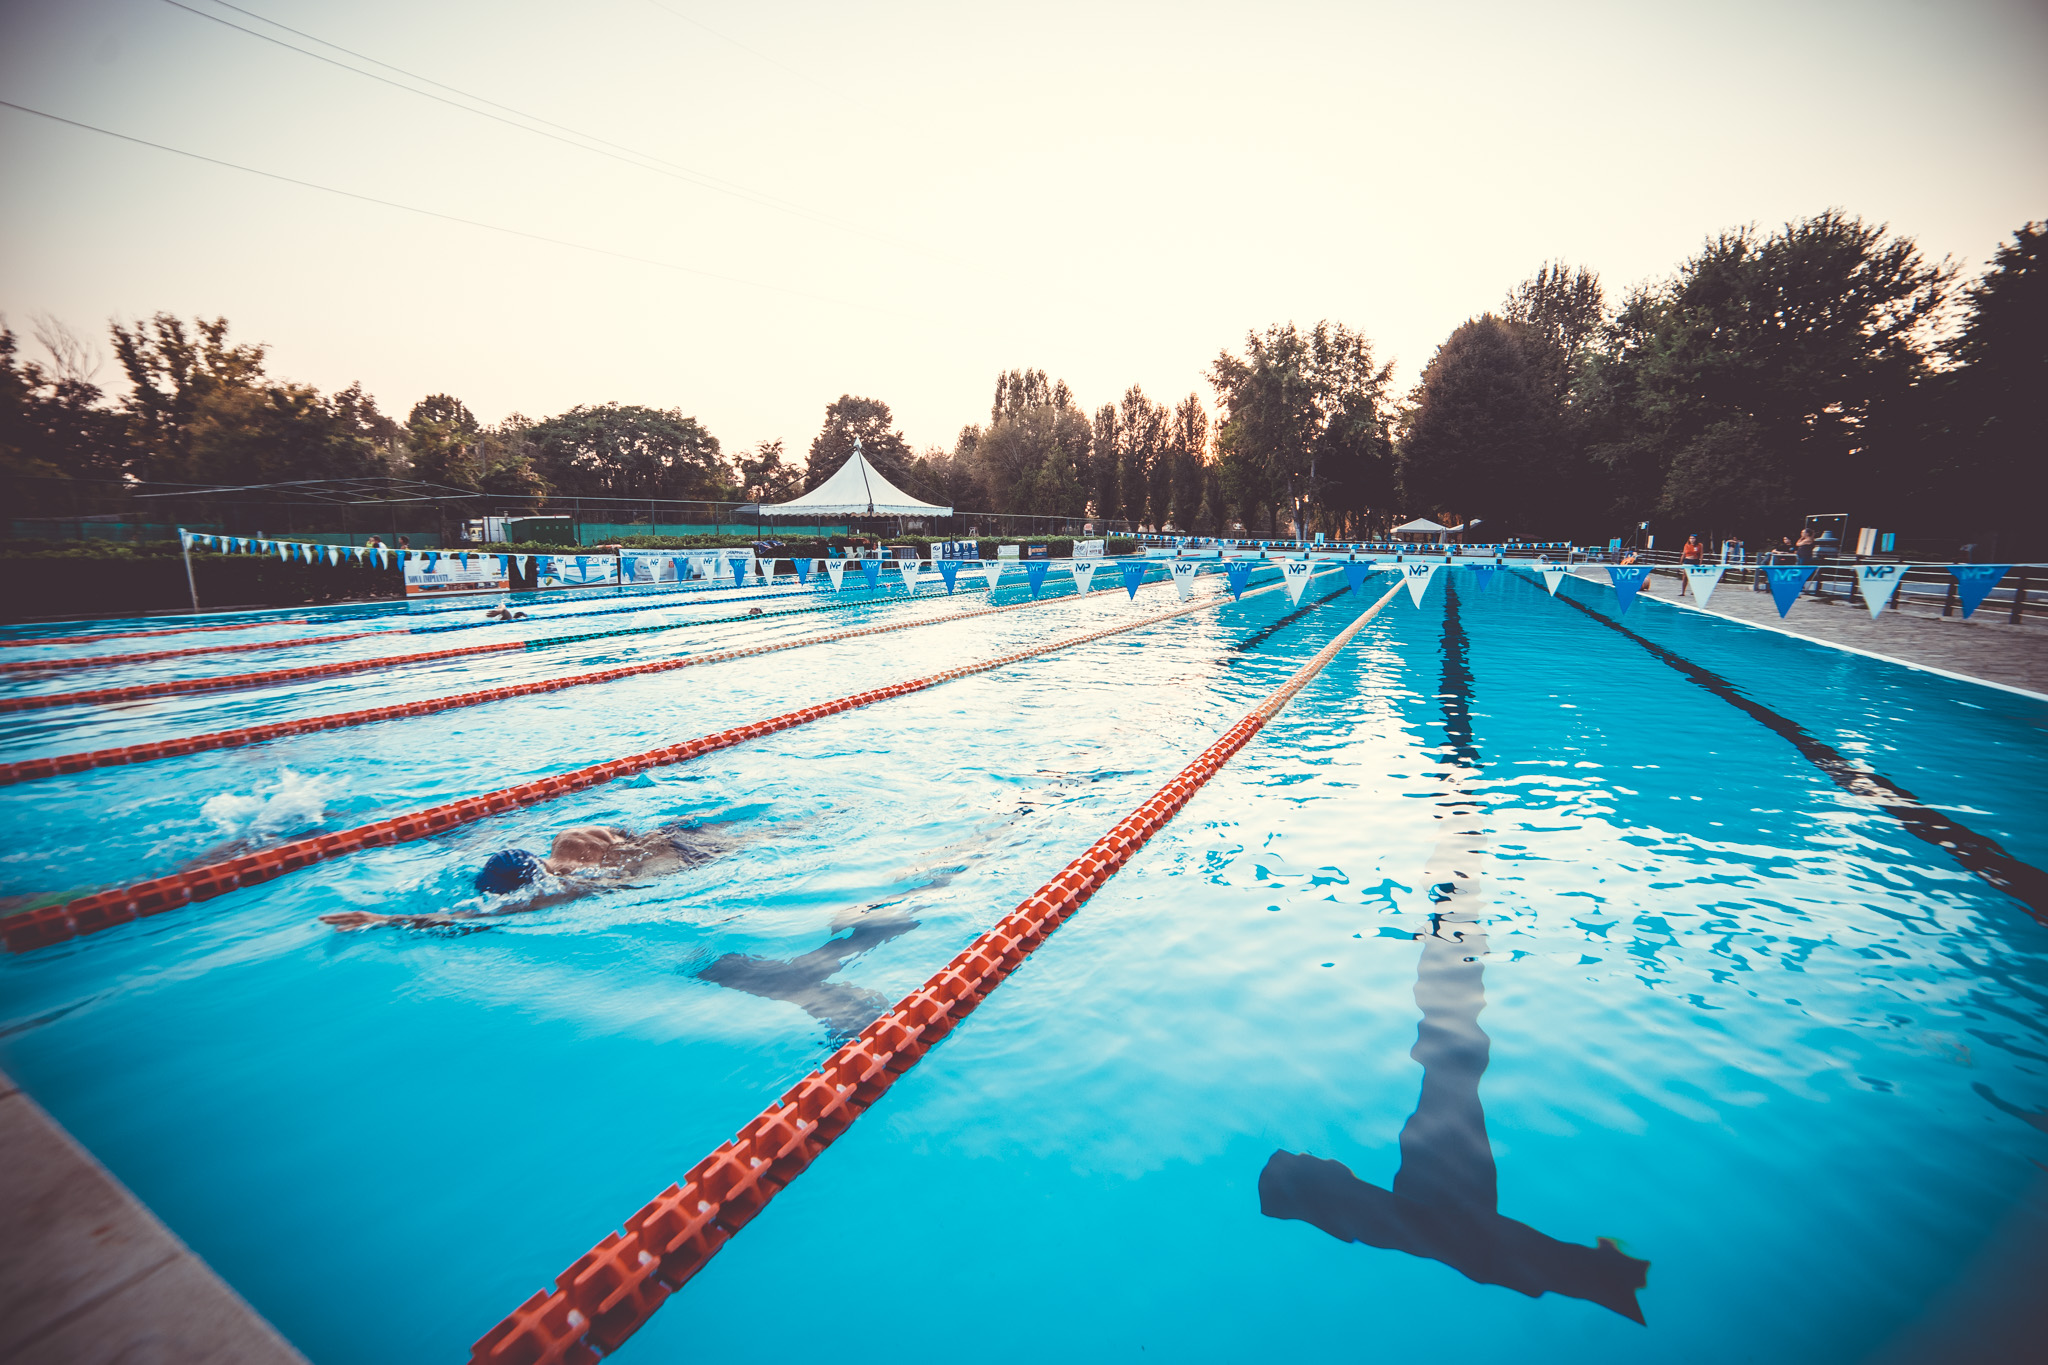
x=1443, y=1203
x=1257, y=638
x=1977, y=853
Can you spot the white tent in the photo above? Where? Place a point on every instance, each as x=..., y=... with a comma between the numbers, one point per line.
x=1423, y=527
x=856, y=489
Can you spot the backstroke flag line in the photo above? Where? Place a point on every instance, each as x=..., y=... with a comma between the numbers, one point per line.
x=1134, y=574
x=1239, y=574
x=1294, y=575
x=872, y=569
x=1034, y=573
x=1703, y=579
x=1184, y=571
x=835, y=569
x=911, y=569
x=1879, y=583
x=1084, y=574
x=992, y=570
x=1356, y=574
x=1553, y=574
x=949, y=569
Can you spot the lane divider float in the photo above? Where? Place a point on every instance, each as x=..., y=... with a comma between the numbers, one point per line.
x=138, y=634
x=235, y=681
x=610, y=1291
x=30, y=769
x=106, y=909
x=152, y=656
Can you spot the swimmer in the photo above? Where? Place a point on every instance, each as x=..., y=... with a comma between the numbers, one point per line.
x=581, y=862
x=503, y=612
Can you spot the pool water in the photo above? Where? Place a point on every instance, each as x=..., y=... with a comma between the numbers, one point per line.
x=1682, y=992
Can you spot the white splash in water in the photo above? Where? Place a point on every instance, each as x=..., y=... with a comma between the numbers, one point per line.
x=292, y=804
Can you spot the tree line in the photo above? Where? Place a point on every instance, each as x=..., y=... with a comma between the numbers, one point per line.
x=1823, y=366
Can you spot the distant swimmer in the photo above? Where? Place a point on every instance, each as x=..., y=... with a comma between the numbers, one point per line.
x=582, y=862
x=504, y=613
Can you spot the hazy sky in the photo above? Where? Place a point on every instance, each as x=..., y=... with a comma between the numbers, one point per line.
x=923, y=195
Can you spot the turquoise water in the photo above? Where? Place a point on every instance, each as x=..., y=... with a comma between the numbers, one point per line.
x=1687, y=994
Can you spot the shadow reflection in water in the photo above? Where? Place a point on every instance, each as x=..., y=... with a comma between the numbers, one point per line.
x=844, y=1009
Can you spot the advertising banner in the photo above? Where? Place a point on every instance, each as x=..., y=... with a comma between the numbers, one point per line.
x=1088, y=549
x=438, y=575
x=577, y=571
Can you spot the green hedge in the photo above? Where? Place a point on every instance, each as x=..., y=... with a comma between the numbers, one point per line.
x=68, y=583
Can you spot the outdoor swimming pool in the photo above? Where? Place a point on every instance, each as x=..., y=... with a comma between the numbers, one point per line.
x=1679, y=986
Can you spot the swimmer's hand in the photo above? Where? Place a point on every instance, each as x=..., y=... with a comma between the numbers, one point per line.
x=350, y=920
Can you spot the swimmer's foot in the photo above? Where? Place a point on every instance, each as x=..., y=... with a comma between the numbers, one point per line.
x=348, y=921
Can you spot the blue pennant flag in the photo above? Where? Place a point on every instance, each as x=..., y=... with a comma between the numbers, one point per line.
x=465, y=561
x=433, y=559
x=504, y=567
x=873, y=569
x=1974, y=582
x=1239, y=573
x=739, y=572
x=1134, y=574
x=1482, y=577
x=1629, y=580
x=949, y=569
x=1034, y=569
x=1786, y=580
x=1355, y=574
x=680, y=567
x=803, y=571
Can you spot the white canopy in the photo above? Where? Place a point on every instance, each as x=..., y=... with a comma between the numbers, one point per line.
x=856, y=489
x=1420, y=524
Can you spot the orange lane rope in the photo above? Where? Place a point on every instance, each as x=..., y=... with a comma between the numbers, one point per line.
x=29, y=769
x=106, y=909
x=610, y=1291
x=152, y=656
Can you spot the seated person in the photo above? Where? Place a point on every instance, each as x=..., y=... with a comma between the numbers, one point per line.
x=581, y=862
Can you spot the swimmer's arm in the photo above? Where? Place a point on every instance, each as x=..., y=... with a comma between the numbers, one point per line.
x=351, y=920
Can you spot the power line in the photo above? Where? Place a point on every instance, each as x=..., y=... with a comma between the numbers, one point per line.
x=627, y=155
x=428, y=213
x=709, y=181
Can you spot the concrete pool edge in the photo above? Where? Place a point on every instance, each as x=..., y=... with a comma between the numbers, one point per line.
x=91, y=1275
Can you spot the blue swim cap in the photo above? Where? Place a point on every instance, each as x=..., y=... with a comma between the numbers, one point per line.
x=508, y=871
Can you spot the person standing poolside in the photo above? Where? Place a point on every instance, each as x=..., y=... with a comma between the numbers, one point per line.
x=1802, y=552
x=582, y=862
x=1693, y=552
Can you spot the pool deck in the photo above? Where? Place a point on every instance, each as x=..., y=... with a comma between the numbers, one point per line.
x=88, y=1276
x=1986, y=647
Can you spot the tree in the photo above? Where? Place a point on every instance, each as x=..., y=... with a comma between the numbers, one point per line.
x=281, y=432
x=1771, y=376
x=1477, y=430
x=869, y=421
x=1304, y=426
x=616, y=451
x=1992, y=406
x=1187, y=447
x=172, y=371
x=51, y=424
x=1140, y=439
x=763, y=477
x=442, y=442
x=1107, y=482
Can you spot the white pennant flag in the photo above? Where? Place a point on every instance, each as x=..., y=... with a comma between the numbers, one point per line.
x=1553, y=574
x=835, y=569
x=1294, y=575
x=1184, y=570
x=1703, y=579
x=1879, y=583
x=1084, y=574
x=1417, y=577
x=762, y=571
x=911, y=569
x=992, y=570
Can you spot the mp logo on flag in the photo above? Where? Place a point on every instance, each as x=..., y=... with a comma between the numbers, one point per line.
x=1239, y=573
x=992, y=570
x=1880, y=582
x=1628, y=581
x=1974, y=582
x=1134, y=574
x=1417, y=577
x=1703, y=579
x=1034, y=573
x=1183, y=571
x=949, y=570
x=835, y=569
x=1786, y=580
x=1294, y=576
x=1084, y=574
x=911, y=569
x=1553, y=574
x=871, y=569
